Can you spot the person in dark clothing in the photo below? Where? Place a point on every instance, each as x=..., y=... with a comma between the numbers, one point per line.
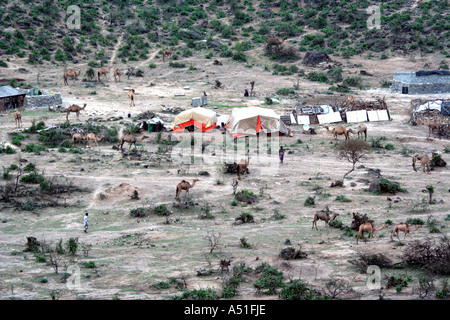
x=281, y=154
x=246, y=93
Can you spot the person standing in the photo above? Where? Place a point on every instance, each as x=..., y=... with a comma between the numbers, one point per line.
x=86, y=222
x=281, y=154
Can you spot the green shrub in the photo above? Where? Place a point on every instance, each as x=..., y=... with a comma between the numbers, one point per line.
x=320, y=77
x=35, y=127
x=29, y=167
x=342, y=198
x=152, y=65
x=199, y=294
x=43, y=280
x=90, y=265
x=309, y=202
x=7, y=150
x=338, y=224
x=72, y=246
x=17, y=140
x=285, y=91
x=27, y=206
x=234, y=203
x=32, y=178
x=298, y=290
x=177, y=65
x=13, y=167
x=386, y=186
x=271, y=279
x=415, y=221
x=40, y=257
x=161, y=285
x=389, y=146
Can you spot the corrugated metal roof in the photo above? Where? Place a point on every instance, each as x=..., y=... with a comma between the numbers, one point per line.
x=8, y=91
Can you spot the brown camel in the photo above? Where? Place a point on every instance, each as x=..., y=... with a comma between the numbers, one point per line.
x=433, y=125
x=350, y=99
x=168, y=53
x=131, y=139
x=131, y=96
x=117, y=75
x=362, y=129
x=367, y=227
x=324, y=215
x=424, y=161
x=339, y=130
x=74, y=108
x=18, y=119
x=184, y=185
x=77, y=137
x=70, y=74
x=405, y=228
x=103, y=71
x=92, y=137
x=242, y=167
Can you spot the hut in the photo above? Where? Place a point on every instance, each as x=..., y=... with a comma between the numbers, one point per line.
x=11, y=98
x=421, y=82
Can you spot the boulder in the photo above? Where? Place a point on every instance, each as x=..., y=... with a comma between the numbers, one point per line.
x=313, y=58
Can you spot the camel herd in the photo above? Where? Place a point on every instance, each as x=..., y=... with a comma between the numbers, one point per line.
x=367, y=227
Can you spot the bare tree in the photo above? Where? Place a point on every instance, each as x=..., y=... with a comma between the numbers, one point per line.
x=213, y=238
x=353, y=151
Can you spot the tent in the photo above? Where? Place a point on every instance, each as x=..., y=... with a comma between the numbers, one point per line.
x=252, y=120
x=201, y=118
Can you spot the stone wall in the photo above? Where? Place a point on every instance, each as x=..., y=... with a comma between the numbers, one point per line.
x=420, y=85
x=43, y=101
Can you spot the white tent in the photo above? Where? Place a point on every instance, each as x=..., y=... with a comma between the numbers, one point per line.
x=252, y=120
x=201, y=118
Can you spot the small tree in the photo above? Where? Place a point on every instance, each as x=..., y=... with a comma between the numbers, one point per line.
x=213, y=239
x=353, y=151
x=430, y=190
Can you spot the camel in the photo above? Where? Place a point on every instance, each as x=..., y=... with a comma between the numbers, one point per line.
x=168, y=53
x=184, y=185
x=242, y=167
x=131, y=139
x=350, y=99
x=117, y=74
x=362, y=129
x=367, y=227
x=77, y=137
x=433, y=125
x=131, y=96
x=74, y=108
x=404, y=227
x=103, y=71
x=424, y=161
x=323, y=215
x=339, y=130
x=18, y=119
x=70, y=74
x=92, y=136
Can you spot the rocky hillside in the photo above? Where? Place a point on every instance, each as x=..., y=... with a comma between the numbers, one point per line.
x=36, y=31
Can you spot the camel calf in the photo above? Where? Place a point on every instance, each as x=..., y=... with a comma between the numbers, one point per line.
x=323, y=215
x=424, y=161
x=405, y=228
x=18, y=119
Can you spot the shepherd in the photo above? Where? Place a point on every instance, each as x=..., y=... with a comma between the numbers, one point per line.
x=86, y=222
x=246, y=93
x=281, y=154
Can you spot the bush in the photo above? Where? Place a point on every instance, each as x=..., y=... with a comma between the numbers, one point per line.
x=177, y=65
x=29, y=167
x=386, y=186
x=271, y=279
x=309, y=202
x=285, y=91
x=389, y=146
x=298, y=290
x=17, y=140
x=72, y=246
x=32, y=178
x=342, y=198
x=90, y=265
x=35, y=127
x=140, y=212
x=245, y=217
x=338, y=224
x=27, y=206
x=200, y=294
x=415, y=221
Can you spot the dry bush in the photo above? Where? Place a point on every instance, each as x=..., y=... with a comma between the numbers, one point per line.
x=429, y=256
x=290, y=253
x=369, y=259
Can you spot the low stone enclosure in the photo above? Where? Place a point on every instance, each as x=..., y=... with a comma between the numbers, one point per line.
x=421, y=82
x=45, y=99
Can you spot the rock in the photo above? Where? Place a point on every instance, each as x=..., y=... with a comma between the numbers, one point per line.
x=352, y=184
x=203, y=173
x=313, y=58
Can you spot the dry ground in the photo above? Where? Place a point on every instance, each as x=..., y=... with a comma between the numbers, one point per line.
x=178, y=249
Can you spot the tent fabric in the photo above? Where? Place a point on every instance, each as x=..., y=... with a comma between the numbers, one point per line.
x=201, y=118
x=252, y=120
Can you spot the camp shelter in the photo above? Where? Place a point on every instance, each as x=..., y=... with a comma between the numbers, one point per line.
x=200, y=118
x=11, y=98
x=252, y=120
